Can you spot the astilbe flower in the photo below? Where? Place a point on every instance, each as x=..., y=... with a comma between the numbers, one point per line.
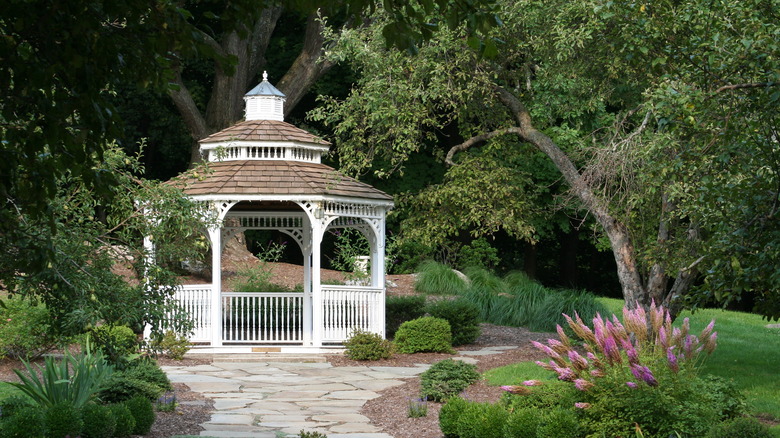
x=672, y=360
x=578, y=362
x=631, y=385
x=517, y=390
x=562, y=336
x=581, y=405
x=565, y=373
x=533, y=383
x=582, y=384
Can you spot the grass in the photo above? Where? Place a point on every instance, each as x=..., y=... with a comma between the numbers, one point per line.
x=518, y=301
x=438, y=279
x=7, y=390
x=748, y=353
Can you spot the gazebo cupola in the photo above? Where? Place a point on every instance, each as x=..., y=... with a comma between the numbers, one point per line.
x=266, y=174
x=264, y=102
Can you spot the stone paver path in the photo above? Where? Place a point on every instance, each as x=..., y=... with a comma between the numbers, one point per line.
x=276, y=399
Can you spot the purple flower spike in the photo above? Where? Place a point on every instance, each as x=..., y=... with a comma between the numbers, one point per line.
x=663, y=339
x=565, y=374
x=711, y=342
x=597, y=373
x=582, y=384
x=578, y=362
x=672, y=359
x=633, y=356
x=648, y=377
x=581, y=405
x=533, y=383
x=636, y=370
x=707, y=330
x=517, y=390
x=611, y=351
x=631, y=385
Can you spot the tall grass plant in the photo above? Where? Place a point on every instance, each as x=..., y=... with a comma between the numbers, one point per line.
x=434, y=278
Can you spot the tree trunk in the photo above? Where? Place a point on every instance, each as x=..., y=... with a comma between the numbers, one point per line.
x=529, y=259
x=567, y=258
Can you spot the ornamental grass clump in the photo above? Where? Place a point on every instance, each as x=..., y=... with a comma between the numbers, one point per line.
x=638, y=374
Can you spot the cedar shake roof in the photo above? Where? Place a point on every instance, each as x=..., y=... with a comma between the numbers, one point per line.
x=266, y=177
x=263, y=130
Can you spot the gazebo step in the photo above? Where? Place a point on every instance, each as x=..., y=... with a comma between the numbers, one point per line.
x=267, y=357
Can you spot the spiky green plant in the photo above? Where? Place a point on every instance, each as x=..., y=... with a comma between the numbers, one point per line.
x=438, y=279
x=72, y=380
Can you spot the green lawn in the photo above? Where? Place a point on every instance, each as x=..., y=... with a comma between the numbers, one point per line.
x=748, y=353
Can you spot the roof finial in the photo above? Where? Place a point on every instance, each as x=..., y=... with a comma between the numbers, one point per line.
x=265, y=75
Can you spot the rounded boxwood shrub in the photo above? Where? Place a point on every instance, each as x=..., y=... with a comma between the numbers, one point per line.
x=148, y=371
x=742, y=427
x=99, y=421
x=482, y=420
x=119, y=387
x=426, y=334
x=363, y=345
x=125, y=422
x=522, y=423
x=143, y=413
x=63, y=419
x=450, y=415
x=400, y=309
x=23, y=422
x=559, y=423
x=446, y=378
x=463, y=317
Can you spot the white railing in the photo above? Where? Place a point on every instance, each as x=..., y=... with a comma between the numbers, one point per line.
x=254, y=152
x=262, y=317
x=195, y=299
x=345, y=308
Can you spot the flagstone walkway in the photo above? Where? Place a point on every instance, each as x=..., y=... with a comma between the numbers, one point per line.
x=278, y=399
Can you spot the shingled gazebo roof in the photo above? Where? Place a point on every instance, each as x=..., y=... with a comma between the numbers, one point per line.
x=275, y=178
x=263, y=130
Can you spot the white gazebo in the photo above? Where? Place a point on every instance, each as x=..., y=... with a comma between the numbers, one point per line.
x=265, y=174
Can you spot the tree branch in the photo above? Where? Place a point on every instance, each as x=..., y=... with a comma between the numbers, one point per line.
x=193, y=119
x=261, y=36
x=477, y=140
x=752, y=85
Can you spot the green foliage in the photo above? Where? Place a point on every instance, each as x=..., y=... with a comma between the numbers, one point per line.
x=99, y=421
x=559, y=423
x=438, y=279
x=117, y=343
x=518, y=301
x=166, y=402
x=23, y=422
x=522, y=423
x=478, y=254
x=143, y=413
x=72, y=380
x=463, y=317
x=399, y=309
x=464, y=419
x=125, y=422
x=77, y=283
x=62, y=419
x=404, y=256
x=450, y=415
x=24, y=330
x=305, y=434
x=424, y=335
x=172, y=345
x=743, y=427
x=362, y=345
x=349, y=245
x=551, y=395
x=446, y=378
x=143, y=378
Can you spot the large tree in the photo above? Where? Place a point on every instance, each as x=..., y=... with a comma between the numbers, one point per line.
x=660, y=118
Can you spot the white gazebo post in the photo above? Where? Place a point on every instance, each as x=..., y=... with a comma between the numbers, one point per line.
x=215, y=235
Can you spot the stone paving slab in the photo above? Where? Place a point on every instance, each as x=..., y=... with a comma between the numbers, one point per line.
x=262, y=400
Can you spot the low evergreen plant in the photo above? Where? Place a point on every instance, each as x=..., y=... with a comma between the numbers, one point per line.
x=423, y=335
x=143, y=413
x=463, y=317
x=446, y=378
x=363, y=345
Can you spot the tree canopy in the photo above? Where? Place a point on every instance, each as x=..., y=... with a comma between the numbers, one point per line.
x=660, y=118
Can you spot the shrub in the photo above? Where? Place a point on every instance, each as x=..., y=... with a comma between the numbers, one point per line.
x=482, y=420
x=12, y=404
x=115, y=342
x=305, y=434
x=121, y=387
x=522, y=423
x=438, y=279
x=638, y=374
x=62, y=419
x=25, y=422
x=559, y=423
x=363, y=345
x=479, y=253
x=446, y=378
x=426, y=334
x=73, y=380
x=549, y=396
x=148, y=371
x=398, y=310
x=99, y=421
x=143, y=413
x=24, y=330
x=125, y=422
x=450, y=415
x=742, y=427
x=166, y=402
x=725, y=396
x=463, y=317
x=173, y=345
